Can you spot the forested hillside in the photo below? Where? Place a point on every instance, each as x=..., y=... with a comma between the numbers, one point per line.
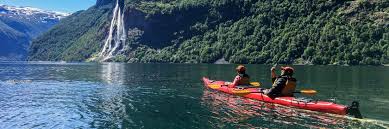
x=238, y=31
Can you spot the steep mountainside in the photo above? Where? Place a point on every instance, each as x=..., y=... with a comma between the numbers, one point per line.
x=237, y=31
x=18, y=25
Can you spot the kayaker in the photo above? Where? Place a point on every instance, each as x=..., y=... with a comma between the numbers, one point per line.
x=241, y=79
x=283, y=85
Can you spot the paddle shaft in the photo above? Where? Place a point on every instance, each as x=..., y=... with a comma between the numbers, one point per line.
x=299, y=92
x=264, y=92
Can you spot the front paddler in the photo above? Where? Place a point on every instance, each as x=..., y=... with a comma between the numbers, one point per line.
x=284, y=85
x=241, y=79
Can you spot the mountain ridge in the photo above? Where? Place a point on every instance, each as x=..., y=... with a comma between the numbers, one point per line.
x=18, y=25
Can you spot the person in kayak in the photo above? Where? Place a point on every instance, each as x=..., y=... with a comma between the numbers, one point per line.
x=241, y=79
x=283, y=85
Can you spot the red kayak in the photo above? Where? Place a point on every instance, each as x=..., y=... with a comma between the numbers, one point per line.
x=320, y=106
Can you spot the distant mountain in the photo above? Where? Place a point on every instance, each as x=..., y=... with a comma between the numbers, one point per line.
x=235, y=31
x=19, y=25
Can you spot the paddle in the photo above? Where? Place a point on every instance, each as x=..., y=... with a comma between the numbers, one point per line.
x=215, y=86
x=309, y=92
x=253, y=85
x=256, y=84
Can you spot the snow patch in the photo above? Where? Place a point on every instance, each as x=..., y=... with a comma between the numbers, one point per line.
x=29, y=11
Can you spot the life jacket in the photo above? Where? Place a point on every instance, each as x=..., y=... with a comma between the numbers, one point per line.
x=290, y=87
x=244, y=79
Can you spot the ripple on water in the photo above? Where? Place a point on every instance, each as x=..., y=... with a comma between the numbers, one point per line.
x=44, y=105
x=145, y=96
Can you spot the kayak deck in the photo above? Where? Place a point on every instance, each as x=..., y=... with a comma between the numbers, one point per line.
x=320, y=106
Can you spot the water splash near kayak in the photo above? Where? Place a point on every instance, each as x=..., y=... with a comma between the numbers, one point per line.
x=116, y=41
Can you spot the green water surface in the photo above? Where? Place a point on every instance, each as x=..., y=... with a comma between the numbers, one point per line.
x=172, y=96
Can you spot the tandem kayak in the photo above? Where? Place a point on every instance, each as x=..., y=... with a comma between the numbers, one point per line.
x=313, y=105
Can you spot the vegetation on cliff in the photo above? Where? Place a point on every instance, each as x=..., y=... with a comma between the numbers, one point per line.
x=240, y=31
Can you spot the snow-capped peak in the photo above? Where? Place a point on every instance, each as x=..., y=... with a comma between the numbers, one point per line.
x=29, y=11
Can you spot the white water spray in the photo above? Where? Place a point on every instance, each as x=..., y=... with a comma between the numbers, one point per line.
x=116, y=40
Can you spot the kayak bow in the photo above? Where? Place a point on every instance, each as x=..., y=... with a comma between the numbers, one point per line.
x=313, y=105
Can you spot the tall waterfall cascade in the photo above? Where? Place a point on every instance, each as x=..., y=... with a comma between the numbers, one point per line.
x=116, y=41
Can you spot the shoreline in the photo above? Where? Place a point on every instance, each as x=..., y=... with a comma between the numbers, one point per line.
x=216, y=62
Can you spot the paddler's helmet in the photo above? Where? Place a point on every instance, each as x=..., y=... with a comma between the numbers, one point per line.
x=241, y=69
x=288, y=70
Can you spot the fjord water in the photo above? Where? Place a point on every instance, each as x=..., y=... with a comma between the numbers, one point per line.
x=118, y=95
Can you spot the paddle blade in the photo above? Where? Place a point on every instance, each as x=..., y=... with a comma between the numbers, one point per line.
x=214, y=86
x=309, y=92
x=256, y=84
x=245, y=91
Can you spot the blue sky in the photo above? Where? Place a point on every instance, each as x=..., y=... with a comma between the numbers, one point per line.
x=68, y=6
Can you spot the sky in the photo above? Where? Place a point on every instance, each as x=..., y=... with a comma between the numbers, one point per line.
x=68, y=6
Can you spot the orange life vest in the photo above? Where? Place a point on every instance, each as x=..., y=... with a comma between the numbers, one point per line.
x=290, y=87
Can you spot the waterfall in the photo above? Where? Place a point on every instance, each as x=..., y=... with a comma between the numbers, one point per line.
x=116, y=40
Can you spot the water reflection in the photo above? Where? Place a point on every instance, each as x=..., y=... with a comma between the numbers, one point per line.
x=109, y=100
x=113, y=73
